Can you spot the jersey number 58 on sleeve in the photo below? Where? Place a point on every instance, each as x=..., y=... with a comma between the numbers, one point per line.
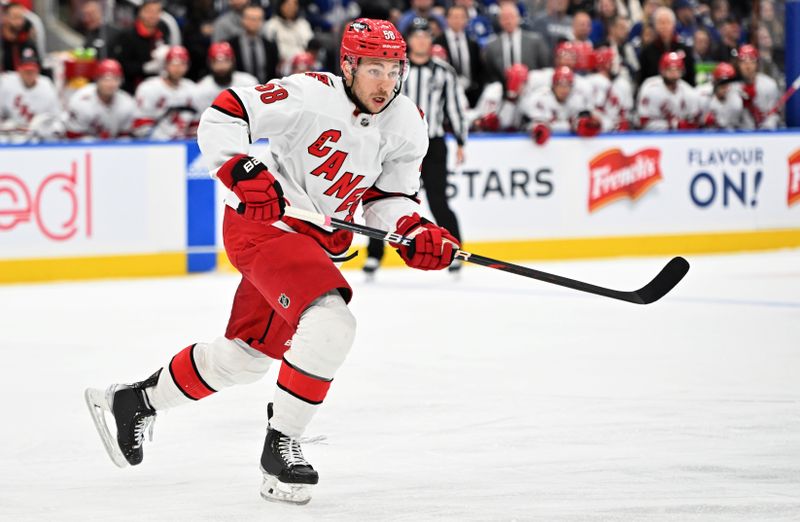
x=271, y=94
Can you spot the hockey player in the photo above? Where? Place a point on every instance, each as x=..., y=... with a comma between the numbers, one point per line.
x=666, y=101
x=560, y=108
x=101, y=109
x=566, y=54
x=165, y=104
x=759, y=92
x=334, y=142
x=221, y=62
x=498, y=107
x=29, y=105
x=721, y=104
x=612, y=94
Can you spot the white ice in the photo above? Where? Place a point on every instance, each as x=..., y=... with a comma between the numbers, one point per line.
x=491, y=398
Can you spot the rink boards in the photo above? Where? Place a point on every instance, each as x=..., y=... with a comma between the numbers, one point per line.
x=116, y=210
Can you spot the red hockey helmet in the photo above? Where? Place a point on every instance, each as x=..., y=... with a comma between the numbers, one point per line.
x=603, y=58
x=108, y=67
x=669, y=60
x=516, y=76
x=220, y=51
x=303, y=62
x=177, y=53
x=747, y=52
x=566, y=50
x=368, y=38
x=562, y=75
x=724, y=73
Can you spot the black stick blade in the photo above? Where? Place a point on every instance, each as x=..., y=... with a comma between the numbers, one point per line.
x=665, y=281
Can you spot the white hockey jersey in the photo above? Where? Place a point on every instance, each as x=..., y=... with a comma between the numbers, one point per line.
x=165, y=112
x=756, y=107
x=612, y=100
x=326, y=155
x=544, y=78
x=88, y=117
x=207, y=89
x=19, y=105
x=493, y=100
x=726, y=113
x=659, y=108
x=542, y=106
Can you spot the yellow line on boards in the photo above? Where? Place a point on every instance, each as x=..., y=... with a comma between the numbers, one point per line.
x=99, y=267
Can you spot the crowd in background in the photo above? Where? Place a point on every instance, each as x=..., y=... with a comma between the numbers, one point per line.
x=150, y=68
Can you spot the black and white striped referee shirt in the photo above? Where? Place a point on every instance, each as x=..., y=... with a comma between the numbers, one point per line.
x=434, y=87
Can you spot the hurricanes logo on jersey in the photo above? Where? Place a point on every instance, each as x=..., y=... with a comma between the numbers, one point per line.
x=284, y=301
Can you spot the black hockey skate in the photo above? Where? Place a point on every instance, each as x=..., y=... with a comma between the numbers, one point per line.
x=288, y=476
x=133, y=416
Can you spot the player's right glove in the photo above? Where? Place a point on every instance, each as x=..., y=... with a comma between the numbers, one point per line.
x=432, y=248
x=587, y=125
x=540, y=133
x=260, y=193
x=489, y=123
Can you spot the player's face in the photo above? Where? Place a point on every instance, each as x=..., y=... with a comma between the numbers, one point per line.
x=672, y=74
x=375, y=81
x=748, y=68
x=221, y=66
x=561, y=91
x=29, y=76
x=722, y=90
x=176, y=69
x=107, y=85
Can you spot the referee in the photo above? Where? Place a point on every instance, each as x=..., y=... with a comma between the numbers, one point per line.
x=433, y=85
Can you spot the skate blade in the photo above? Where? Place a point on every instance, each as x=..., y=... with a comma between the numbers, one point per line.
x=274, y=490
x=99, y=402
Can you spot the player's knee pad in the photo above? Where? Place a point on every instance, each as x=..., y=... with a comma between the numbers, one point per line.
x=225, y=362
x=324, y=335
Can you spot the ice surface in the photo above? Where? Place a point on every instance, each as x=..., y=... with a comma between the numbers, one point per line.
x=493, y=398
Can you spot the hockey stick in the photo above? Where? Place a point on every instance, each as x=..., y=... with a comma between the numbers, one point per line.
x=786, y=95
x=665, y=281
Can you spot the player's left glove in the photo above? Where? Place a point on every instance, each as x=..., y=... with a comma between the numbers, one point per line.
x=432, y=248
x=587, y=125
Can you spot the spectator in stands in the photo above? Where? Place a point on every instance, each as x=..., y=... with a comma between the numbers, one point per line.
x=607, y=11
x=636, y=35
x=730, y=37
x=197, y=30
x=479, y=26
x=666, y=41
x=141, y=49
x=513, y=45
x=686, y=21
x=290, y=31
x=580, y=5
x=419, y=9
x=618, y=30
x=631, y=10
x=96, y=34
x=704, y=50
x=17, y=34
x=774, y=24
x=555, y=25
x=228, y=25
x=101, y=110
x=29, y=106
x=582, y=30
x=766, y=61
x=254, y=53
x=463, y=53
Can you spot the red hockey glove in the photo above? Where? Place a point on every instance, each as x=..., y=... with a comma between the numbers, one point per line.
x=540, y=133
x=488, y=123
x=624, y=125
x=432, y=248
x=710, y=121
x=686, y=125
x=587, y=125
x=261, y=195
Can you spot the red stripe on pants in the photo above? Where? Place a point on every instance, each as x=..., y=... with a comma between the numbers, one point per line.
x=187, y=378
x=304, y=386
